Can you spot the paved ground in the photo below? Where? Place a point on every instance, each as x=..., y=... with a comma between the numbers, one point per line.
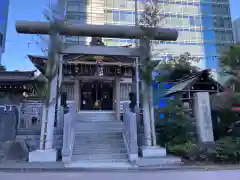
x=60, y=167
x=156, y=175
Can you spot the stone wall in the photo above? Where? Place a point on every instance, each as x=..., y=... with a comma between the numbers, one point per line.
x=32, y=139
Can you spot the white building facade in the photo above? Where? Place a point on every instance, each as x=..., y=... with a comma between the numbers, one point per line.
x=3, y=25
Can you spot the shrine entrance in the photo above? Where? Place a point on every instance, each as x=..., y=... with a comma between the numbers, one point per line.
x=97, y=95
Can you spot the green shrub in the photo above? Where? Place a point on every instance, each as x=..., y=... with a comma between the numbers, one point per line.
x=187, y=150
x=227, y=150
x=173, y=131
x=175, y=127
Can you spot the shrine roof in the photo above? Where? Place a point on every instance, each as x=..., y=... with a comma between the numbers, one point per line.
x=78, y=57
x=16, y=76
x=40, y=61
x=190, y=81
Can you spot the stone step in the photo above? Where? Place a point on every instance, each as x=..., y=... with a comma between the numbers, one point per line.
x=103, y=139
x=98, y=151
x=98, y=147
x=98, y=140
x=98, y=144
x=94, y=120
x=96, y=117
x=99, y=156
x=100, y=164
x=93, y=135
x=98, y=126
x=99, y=122
x=99, y=130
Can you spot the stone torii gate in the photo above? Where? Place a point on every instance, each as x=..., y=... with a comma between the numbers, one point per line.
x=110, y=31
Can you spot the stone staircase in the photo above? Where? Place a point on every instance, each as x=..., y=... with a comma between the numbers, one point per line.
x=98, y=139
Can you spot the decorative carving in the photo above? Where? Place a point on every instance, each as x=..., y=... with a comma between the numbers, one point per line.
x=99, y=70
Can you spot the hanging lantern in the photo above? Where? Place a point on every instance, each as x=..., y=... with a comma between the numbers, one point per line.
x=118, y=70
x=76, y=69
x=25, y=94
x=99, y=67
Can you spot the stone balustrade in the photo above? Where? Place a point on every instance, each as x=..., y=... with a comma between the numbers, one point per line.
x=69, y=132
x=130, y=132
x=30, y=115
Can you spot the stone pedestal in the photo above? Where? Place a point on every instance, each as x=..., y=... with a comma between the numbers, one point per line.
x=153, y=151
x=49, y=155
x=156, y=156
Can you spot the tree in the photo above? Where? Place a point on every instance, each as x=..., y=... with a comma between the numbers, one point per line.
x=230, y=62
x=52, y=15
x=149, y=20
x=222, y=103
x=176, y=68
x=2, y=68
x=230, y=68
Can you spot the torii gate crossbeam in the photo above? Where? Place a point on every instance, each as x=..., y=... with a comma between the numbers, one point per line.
x=111, y=31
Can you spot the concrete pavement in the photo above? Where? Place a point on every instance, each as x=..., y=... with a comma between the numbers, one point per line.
x=155, y=175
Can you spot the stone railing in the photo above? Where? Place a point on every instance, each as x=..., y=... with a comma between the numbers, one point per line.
x=30, y=116
x=69, y=122
x=30, y=113
x=130, y=132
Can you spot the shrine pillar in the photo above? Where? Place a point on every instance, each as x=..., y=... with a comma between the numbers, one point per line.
x=117, y=98
x=77, y=93
x=60, y=82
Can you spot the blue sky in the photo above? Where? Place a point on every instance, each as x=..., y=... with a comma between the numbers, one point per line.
x=19, y=45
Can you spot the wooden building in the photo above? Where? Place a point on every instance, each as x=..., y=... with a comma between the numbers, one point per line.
x=14, y=85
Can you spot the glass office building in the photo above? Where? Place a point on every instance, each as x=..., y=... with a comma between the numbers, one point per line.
x=3, y=24
x=204, y=25
x=236, y=31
